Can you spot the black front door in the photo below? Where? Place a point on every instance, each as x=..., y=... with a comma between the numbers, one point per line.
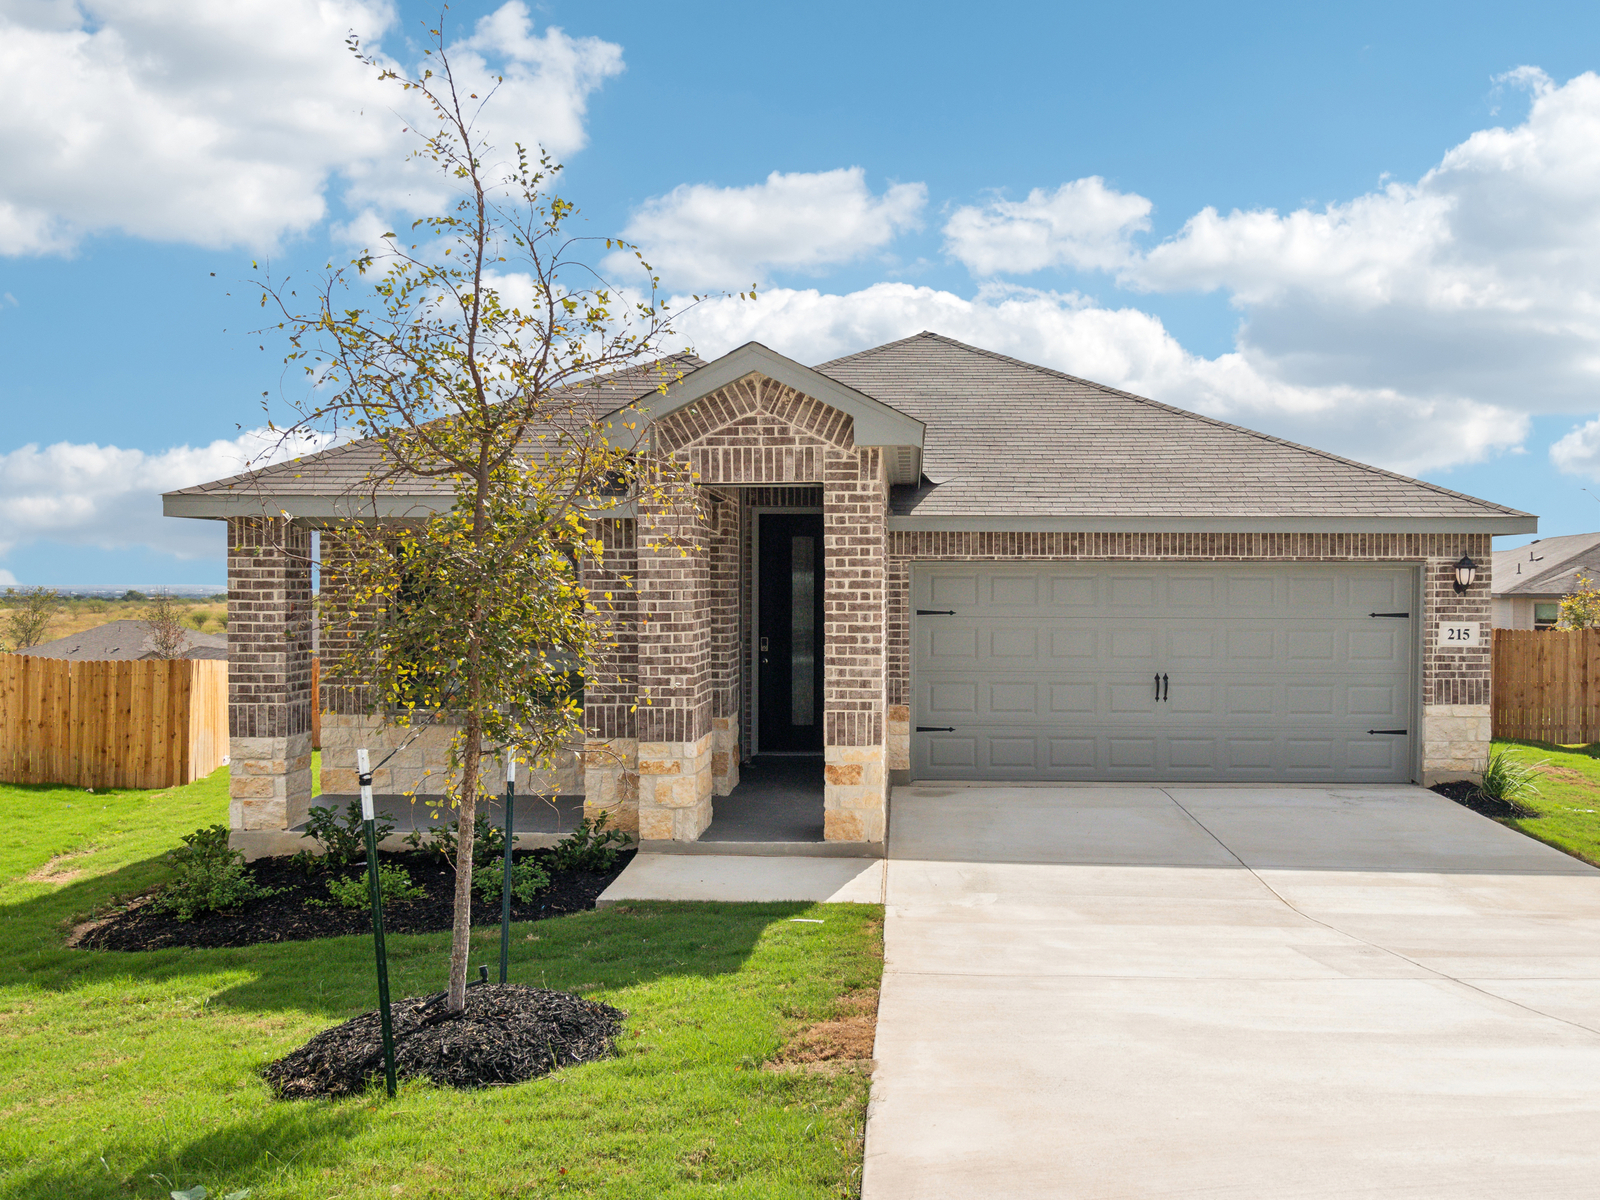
x=789, y=632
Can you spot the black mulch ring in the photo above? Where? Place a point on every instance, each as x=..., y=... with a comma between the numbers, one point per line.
x=286, y=917
x=1468, y=795
x=508, y=1033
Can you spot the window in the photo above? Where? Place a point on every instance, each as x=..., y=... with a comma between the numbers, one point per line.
x=1545, y=616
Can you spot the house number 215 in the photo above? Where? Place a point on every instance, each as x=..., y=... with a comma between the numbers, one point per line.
x=1458, y=634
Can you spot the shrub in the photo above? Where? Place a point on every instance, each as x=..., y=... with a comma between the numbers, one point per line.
x=589, y=847
x=343, y=843
x=488, y=842
x=527, y=877
x=210, y=875
x=355, y=891
x=1506, y=777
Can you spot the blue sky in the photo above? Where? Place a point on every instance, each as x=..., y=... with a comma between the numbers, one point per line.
x=1398, y=265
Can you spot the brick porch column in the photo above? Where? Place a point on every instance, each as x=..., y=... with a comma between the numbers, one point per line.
x=854, y=535
x=674, y=715
x=269, y=672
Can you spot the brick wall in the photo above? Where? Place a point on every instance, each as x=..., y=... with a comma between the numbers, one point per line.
x=343, y=623
x=610, y=697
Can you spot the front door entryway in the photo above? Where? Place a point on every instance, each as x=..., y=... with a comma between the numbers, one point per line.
x=788, y=648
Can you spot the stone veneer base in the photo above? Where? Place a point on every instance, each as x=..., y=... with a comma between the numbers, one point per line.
x=674, y=790
x=611, y=782
x=855, y=794
x=1455, y=742
x=269, y=781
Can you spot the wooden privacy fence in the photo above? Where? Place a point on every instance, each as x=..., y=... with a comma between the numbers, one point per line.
x=1547, y=685
x=146, y=724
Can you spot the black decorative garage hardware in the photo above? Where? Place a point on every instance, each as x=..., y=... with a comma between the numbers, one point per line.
x=1396, y=732
x=1388, y=614
x=936, y=728
x=936, y=612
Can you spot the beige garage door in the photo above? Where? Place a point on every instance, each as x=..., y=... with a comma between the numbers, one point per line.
x=1183, y=673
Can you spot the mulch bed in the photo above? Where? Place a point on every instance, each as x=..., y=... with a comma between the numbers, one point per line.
x=508, y=1033
x=286, y=917
x=1469, y=796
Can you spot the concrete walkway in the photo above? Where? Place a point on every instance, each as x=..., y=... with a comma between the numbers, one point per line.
x=1119, y=992
x=740, y=877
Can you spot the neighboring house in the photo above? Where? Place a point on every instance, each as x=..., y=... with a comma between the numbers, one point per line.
x=1531, y=581
x=126, y=640
x=927, y=561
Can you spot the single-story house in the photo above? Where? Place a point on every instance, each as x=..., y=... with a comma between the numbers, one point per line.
x=122, y=640
x=928, y=561
x=1531, y=581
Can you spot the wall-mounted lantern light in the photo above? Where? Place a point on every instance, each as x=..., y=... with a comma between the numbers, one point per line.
x=1466, y=572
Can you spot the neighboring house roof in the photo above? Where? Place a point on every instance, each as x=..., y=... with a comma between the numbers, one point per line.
x=125, y=640
x=1005, y=445
x=1547, y=567
x=1007, y=437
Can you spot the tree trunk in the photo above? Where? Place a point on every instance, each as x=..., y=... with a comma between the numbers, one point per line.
x=461, y=930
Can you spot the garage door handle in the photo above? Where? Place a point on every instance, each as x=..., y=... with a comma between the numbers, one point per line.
x=936, y=612
x=936, y=728
x=1396, y=732
x=1388, y=614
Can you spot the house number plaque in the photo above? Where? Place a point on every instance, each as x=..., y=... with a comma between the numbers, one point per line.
x=1458, y=634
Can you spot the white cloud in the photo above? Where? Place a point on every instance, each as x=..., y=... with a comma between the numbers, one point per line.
x=1578, y=453
x=1481, y=279
x=1082, y=224
x=7, y=579
x=1124, y=348
x=226, y=124
x=104, y=496
x=700, y=236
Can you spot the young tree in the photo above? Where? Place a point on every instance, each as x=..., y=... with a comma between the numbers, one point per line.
x=466, y=361
x=1581, y=609
x=28, y=616
x=167, y=637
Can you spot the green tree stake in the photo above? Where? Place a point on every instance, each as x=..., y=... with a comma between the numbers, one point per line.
x=505, y=875
x=367, y=820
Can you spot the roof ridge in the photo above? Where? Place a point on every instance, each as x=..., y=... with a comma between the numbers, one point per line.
x=1194, y=416
x=926, y=333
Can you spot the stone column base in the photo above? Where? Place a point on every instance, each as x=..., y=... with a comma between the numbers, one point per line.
x=269, y=781
x=674, y=790
x=724, y=755
x=855, y=800
x=611, y=782
x=1455, y=742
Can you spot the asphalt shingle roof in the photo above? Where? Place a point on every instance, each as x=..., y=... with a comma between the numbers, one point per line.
x=353, y=468
x=1547, y=567
x=1007, y=437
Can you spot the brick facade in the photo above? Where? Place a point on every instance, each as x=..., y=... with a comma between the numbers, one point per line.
x=667, y=717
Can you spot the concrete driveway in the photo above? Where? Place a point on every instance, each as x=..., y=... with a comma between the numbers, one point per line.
x=1231, y=991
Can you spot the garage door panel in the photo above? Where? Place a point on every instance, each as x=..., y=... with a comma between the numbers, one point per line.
x=1270, y=674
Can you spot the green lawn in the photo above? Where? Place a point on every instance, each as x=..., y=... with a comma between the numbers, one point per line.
x=1568, y=802
x=132, y=1074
